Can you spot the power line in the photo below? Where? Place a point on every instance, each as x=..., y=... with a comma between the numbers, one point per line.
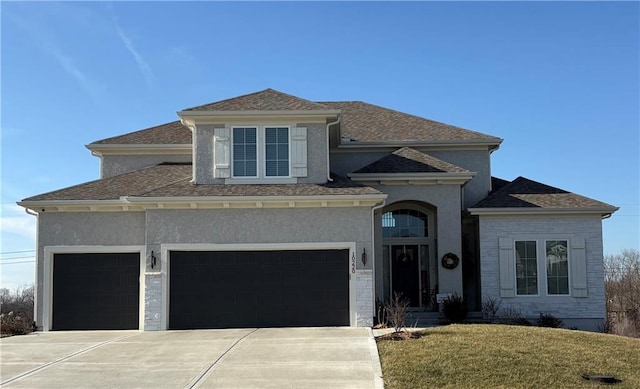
x=9, y=259
x=15, y=263
x=17, y=252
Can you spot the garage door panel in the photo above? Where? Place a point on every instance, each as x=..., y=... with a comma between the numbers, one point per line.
x=96, y=291
x=258, y=289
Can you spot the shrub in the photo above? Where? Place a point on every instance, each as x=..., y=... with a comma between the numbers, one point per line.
x=381, y=314
x=16, y=310
x=397, y=312
x=455, y=309
x=549, y=321
x=513, y=316
x=490, y=308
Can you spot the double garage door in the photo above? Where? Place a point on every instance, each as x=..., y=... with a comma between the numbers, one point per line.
x=206, y=289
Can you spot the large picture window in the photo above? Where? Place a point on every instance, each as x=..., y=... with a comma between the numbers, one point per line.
x=526, y=267
x=557, y=267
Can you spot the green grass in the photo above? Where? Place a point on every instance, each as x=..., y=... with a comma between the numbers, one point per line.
x=499, y=356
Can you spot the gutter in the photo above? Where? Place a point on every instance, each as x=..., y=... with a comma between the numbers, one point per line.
x=328, y=147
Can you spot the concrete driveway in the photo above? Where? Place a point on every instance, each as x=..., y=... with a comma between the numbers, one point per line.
x=229, y=358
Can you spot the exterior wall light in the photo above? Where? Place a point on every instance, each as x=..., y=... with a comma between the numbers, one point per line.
x=364, y=256
x=153, y=259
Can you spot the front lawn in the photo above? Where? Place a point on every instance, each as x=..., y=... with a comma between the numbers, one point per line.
x=499, y=356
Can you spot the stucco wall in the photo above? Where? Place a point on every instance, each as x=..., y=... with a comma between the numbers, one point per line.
x=246, y=226
x=590, y=309
x=84, y=229
x=344, y=162
x=113, y=165
x=316, y=153
x=446, y=200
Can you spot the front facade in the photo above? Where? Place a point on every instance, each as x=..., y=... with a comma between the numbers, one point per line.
x=268, y=210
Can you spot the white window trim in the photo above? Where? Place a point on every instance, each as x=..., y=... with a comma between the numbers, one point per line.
x=166, y=249
x=546, y=275
x=541, y=265
x=261, y=165
x=49, y=253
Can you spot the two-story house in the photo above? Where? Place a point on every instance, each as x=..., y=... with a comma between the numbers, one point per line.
x=271, y=210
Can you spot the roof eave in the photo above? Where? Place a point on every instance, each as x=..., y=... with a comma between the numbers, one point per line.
x=136, y=149
x=218, y=116
x=602, y=211
x=490, y=144
x=459, y=178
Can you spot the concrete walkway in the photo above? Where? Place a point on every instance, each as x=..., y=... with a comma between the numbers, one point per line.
x=229, y=358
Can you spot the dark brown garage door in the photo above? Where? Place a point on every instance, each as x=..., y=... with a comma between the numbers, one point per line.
x=258, y=289
x=96, y=291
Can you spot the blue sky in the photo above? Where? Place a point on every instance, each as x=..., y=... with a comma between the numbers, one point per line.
x=558, y=81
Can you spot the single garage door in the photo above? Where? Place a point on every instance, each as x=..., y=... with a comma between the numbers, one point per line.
x=258, y=289
x=96, y=291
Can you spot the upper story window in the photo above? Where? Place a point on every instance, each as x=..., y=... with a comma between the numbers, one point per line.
x=256, y=154
x=260, y=152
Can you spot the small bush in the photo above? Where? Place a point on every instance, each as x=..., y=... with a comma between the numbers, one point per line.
x=490, y=308
x=455, y=309
x=381, y=314
x=512, y=316
x=16, y=310
x=397, y=312
x=12, y=324
x=549, y=321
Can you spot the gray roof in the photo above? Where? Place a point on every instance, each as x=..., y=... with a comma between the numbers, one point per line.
x=169, y=133
x=265, y=100
x=174, y=180
x=362, y=122
x=408, y=160
x=525, y=193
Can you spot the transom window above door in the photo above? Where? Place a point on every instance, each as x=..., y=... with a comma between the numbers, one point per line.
x=405, y=223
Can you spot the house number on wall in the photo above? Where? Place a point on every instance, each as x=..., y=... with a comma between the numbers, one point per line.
x=353, y=262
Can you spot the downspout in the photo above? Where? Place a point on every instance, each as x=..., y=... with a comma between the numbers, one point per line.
x=328, y=146
x=35, y=290
x=373, y=251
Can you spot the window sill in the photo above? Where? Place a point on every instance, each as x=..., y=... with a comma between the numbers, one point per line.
x=261, y=181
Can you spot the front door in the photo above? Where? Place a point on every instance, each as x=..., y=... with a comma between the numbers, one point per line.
x=405, y=272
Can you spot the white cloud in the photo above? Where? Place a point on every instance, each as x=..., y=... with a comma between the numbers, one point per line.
x=15, y=221
x=144, y=67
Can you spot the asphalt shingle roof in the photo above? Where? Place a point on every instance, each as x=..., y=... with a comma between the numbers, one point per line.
x=265, y=100
x=408, y=160
x=522, y=192
x=169, y=133
x=362, y=122
x=174, y=180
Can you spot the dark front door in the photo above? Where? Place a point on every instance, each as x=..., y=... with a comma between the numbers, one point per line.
x=258, y=289
x=405, y=276
x=96, y=291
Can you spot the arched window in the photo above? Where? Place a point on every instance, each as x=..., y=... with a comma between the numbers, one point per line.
x=405, y=223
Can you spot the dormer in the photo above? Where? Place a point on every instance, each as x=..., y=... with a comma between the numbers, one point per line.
x=266, y=137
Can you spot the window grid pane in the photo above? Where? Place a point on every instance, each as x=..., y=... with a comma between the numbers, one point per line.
x=526, y=268
x=245, y=156
x=277, y=152
x=404, y=223
x=557, y=267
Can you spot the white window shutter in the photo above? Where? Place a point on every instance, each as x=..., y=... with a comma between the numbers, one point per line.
x=221, y=153
x=507, y=268
x=578, y=264
x=299, y=152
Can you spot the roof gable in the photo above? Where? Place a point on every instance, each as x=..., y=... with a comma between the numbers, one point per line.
x=408, y=160
x=526, y=193
x=266, y=100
